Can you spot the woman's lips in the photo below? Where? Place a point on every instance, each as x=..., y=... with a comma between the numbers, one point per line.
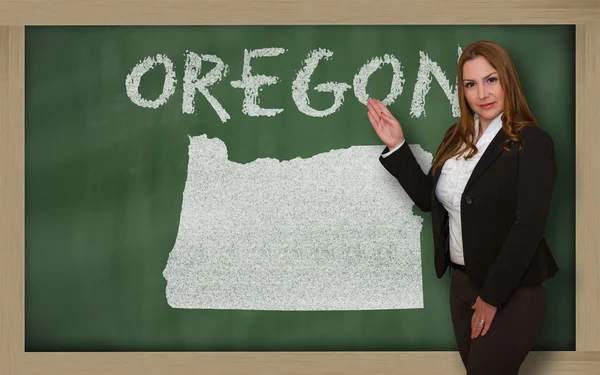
x=487, y=106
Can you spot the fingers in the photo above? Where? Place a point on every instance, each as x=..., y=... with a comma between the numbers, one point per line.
x=372, y=111
x=383, y=112
x=379, y=111
x=381, y=108
x=389, y=119
x=474, y=320
x=488, y=323
x=478, y=330
x=375, y=121
x=475, y=327
x=487, y=326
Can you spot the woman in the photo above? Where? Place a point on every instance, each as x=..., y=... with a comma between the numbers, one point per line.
x=489, y=191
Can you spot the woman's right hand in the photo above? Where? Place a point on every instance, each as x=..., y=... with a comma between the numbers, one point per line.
x=386, y=126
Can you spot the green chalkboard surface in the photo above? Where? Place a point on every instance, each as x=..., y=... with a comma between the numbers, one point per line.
x=217, y=188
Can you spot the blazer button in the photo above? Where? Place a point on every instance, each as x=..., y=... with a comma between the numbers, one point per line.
x=469, y=200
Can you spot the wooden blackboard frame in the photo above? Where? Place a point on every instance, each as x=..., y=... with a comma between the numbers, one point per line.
x=15, y=15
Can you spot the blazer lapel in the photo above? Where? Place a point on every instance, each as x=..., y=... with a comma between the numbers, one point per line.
x=490, y=154
x=436, y=177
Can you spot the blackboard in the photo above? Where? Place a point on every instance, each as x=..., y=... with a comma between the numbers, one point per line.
x=105, y=176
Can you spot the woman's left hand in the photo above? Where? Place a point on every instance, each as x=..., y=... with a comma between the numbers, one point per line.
x=483, y=311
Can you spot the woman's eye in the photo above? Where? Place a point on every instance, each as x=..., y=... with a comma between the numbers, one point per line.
x=469, y=84
x=492, y=79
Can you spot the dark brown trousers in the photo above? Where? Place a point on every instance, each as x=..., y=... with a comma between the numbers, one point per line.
x=512, y=333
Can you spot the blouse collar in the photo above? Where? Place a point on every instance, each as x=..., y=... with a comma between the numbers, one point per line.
x=492, y=128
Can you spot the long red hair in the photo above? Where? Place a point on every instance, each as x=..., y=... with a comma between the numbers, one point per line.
x=516, y=111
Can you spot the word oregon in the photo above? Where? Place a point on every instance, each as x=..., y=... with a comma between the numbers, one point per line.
x=251, y=84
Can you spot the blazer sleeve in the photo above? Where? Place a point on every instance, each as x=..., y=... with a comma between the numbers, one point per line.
x=403, y=165
x=535, y=184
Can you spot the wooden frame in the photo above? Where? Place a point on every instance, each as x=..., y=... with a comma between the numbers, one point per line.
x=14, y=15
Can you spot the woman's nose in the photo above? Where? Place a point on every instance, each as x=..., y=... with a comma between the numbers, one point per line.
x=482, y=92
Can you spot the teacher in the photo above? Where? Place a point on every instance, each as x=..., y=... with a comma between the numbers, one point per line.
x=489, y=191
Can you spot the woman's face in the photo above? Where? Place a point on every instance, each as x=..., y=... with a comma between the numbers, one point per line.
x=482, y=89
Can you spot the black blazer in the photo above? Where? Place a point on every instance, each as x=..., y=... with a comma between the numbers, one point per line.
x=504, y=209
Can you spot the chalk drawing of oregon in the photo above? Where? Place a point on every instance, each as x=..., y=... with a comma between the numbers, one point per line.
x=334, y=231
x=330, y=232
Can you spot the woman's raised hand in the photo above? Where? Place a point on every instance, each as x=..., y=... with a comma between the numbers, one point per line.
x=386, y=126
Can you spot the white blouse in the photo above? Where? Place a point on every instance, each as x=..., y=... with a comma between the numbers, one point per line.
x=453, y=179
x=452, y=182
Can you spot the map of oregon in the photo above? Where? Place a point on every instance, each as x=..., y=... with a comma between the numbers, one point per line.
x=331, y=232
